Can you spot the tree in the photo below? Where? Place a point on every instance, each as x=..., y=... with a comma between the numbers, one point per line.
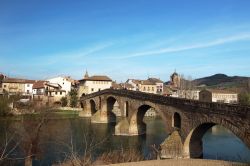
x=4, y=106
x=244, y=98
x=64, y=101
x=73, y=98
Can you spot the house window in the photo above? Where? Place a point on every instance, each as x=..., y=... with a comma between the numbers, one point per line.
x=4, y=86
x=28, y=85
x=144, y=89
x=92, y=89
x=152, y=88
x=60, y=93
x=56, y=93
x=28, y=91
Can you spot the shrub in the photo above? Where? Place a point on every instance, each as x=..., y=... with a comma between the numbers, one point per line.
x=4, y=106
x=73, y=98
x=244, y=98
x=64, y=101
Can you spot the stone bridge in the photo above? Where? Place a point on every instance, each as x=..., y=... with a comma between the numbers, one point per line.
x=190, y=119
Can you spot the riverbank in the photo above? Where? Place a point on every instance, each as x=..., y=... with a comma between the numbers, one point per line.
x=179, y=162
x=53, y=114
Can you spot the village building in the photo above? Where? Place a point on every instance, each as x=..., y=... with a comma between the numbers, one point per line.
x=148, y=87
x=125, y=85
x=136, y=84
x=216, y=95
x=15, y=86
x=28, y=87
x=93, y=84
x=188, y=94
x=65, y=82
x=175, y=80
x=151, y=85
x=159, y=85
x=48, y=93
x=116, y=85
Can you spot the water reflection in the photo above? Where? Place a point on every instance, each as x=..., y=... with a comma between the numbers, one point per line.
x=220, y=143
x=58, y=137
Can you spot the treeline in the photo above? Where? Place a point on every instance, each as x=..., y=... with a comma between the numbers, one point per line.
x=5, y=103
x=244, y=96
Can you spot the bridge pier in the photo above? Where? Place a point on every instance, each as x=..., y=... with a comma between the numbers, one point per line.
x=133, y=129
x=103, y=116
x=86, y=111
x=172, y=146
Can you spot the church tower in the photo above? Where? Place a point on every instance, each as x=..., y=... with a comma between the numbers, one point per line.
x=86, y=75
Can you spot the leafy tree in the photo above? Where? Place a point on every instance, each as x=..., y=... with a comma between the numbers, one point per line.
x=244, y=98
x=73, y=98
x=64, y=101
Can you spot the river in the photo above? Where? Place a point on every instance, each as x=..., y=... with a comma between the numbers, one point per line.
x=61, y=132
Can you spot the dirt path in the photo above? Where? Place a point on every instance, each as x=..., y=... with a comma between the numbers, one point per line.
x=182, y=162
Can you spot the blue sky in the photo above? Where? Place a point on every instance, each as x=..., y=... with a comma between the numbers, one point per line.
x=124, y=38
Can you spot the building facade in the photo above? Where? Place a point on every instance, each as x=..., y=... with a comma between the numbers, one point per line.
x=14, y=86
x=222, y=96
x=151, y=85
x=47, y=93
x=148, y=87
x=188, y=94
x=93, y=84
x=175, y=80
x=64, y=82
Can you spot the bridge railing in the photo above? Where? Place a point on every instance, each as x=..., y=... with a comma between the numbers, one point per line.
x=230, y=109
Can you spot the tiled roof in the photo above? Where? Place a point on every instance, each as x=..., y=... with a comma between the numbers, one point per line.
x=126, y=85
x=97, y=78
x=116, y=86
x=17, y=80
x=155, y=80
x=39, y=84
x=220, y=91
x=56, y=90
x=136, y=81
x=54, y=85
x=147, y=82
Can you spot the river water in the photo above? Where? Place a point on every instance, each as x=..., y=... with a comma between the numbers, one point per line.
x=61, y=135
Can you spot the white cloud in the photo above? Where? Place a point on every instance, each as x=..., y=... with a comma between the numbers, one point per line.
x=216, y=42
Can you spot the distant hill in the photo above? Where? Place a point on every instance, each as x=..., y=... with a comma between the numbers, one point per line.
x=222, y=80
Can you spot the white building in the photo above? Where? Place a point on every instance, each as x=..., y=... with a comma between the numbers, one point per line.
x=64, y=82
x=28, y=87
x=216, y=95
x=93, y=84
x=48, y=92
x=188, y=94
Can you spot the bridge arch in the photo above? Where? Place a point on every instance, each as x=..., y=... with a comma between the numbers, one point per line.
x=141, y=112
x=92, y=107
x=193, y=145
x=100, y=102
x=82, y=105
x=112, y=102
x=126, y=109
x=176, y=120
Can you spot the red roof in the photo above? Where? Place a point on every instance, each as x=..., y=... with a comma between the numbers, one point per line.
x=39, y=84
